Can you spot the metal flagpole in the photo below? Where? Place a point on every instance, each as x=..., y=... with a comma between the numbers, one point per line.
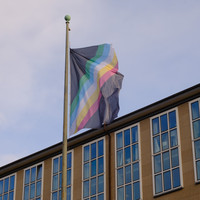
x=65, y=118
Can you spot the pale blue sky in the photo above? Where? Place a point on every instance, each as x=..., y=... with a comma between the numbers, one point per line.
x=157, y=44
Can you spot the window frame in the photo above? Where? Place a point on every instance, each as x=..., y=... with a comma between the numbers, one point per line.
x=169, y=150
x=42, y=179
x=72, y=172
x=193, y=139
x=131, y=163
x=14, y=190
x=104, y=165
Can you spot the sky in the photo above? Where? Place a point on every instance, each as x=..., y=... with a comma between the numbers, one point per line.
x=157, y=44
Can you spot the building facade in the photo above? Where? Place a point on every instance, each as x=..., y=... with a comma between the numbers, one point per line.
x=151, y=153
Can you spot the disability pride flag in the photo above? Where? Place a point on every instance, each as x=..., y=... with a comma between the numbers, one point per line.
x=95, y=86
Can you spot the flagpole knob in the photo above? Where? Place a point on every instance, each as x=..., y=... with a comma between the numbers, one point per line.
x=67, y=18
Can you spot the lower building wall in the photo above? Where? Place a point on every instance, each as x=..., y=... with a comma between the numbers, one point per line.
x=77, y=173
x=19, y=185
x=47, y=177
x=189, y=191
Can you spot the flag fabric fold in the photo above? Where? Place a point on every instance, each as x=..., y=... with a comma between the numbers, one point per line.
x=95, y=86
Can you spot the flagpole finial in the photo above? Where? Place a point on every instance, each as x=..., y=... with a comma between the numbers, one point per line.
x=67, y=18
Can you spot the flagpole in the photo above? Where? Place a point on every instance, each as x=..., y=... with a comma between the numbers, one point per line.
x=65, y=118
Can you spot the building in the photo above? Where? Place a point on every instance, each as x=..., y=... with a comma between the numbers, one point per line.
x=151, y=153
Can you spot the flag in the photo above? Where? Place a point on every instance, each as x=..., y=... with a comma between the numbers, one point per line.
x=95, y=86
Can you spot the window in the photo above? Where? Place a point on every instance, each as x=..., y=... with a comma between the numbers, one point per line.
x=33, y=183
x=7, y=186
x=94, y=171
x=128, y=164
x=165, y=153
x=195, y=125
x=57, y=177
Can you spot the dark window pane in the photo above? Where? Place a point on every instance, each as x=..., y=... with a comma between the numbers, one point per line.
x=26, y=193
x=167, y=181
x=93, y=186
x=85, y=188
x=195, y=110
x=93, y=168
x=5, y=197
x=156, y=144
x=127, y=137
x=6, y=184
x=39, y=172
x=176, y=177
x=100, y=165
x=127, y=155
x=33, y=174
x=196, y=129
x=120, y=177
x=136, y=191
x=128, y=174
x=120, y=193
x=134, y=134
x=157, y=163
x=100, y=148
x=1, y=187
x=60, y=180
x=197, y=149
x=120, y=158
x=86, y=153
x=93, y=198
x=68, y=177
x=128, y=192
x=55, y=182
x=164, y=124
x=155, y=126
x=175, y=158
x=54, y=196
x=86, y=171
x=11, y=195
x=135, y=153
x=165, y=141
x=69, y=193
x=198, y=170
x=60, y=164
x=93, y=150
x=100, y=183
x=119, y=139
x=158, y=183
x=69, y=160
x=32, y=191
x=38, y=189
x=136, y=173
x=173, y=138
x=27, y=176
x=59, y=195
x=12, y=182
x=101, y=197
x=166, y=160
x=172, y=119
x=55, y=165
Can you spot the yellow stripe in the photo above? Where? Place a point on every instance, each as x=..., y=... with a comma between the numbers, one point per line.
x=95, y=95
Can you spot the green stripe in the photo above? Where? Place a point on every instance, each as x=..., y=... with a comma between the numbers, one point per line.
x=86, y=76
